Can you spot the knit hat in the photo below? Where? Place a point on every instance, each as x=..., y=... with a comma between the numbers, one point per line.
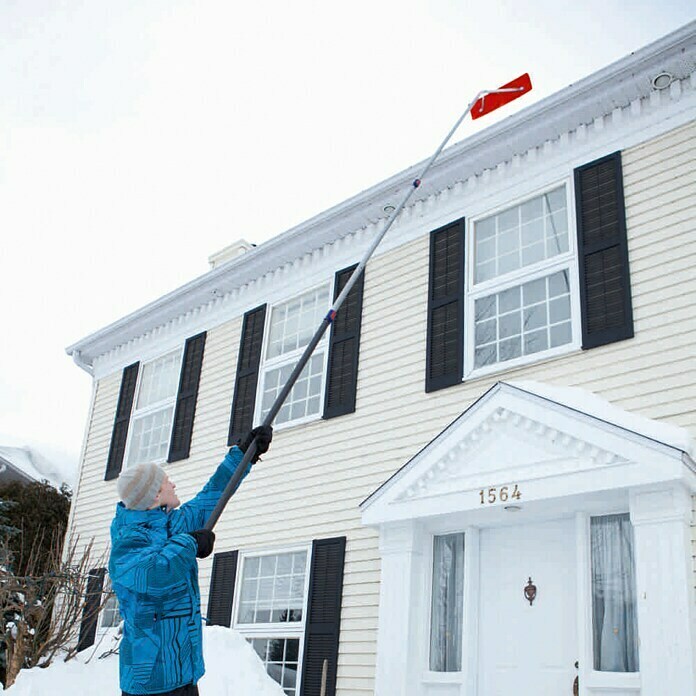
x=138, y=486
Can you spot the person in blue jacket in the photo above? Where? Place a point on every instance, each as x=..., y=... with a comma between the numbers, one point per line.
x=154, y=573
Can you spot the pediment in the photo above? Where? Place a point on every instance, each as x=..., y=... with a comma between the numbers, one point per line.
x=506, y=445
x=510, y=435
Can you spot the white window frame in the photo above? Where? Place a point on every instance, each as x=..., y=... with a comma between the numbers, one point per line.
x=152, y=408
x=296, y=629
x=292, y=358
x=567, y=261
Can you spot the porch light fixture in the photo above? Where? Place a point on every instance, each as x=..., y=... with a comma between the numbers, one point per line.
x=512, y=508
x=662, y=80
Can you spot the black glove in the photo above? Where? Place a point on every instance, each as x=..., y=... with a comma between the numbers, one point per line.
x=205, y=540
x=263, y=435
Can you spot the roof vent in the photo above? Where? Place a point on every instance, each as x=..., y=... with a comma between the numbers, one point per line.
x=241, y=246
x=662, y=80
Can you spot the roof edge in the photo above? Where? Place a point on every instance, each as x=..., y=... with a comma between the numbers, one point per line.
x=353, y=212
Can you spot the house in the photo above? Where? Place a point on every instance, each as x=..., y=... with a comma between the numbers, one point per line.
x=484, y=481
x=26, y=465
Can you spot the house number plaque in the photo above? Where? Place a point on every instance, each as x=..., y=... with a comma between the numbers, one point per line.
x=503, y=494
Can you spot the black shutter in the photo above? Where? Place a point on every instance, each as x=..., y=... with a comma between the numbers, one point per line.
x=241, y=420
x=180, y=443
x=122, y=421
x=222, y=588
x=605, y=284
x=90, y=611
x=344, y=346
x=323, y=616
x=444, y=359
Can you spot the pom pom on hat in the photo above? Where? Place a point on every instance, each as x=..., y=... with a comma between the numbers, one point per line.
x=138, y=486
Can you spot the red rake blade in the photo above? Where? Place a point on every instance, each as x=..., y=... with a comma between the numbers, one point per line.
x=493, y=101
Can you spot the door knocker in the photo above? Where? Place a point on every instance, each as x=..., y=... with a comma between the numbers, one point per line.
x=530, y=592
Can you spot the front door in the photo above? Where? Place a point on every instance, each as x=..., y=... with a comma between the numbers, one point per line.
x=528, y=649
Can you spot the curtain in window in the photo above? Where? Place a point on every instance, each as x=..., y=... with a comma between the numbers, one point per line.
x=447, y=603
x=614, y=622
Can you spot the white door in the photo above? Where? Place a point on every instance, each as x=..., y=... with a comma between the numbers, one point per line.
x=528, y=650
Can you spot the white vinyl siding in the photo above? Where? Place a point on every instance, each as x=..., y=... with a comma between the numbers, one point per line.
x=312, y=480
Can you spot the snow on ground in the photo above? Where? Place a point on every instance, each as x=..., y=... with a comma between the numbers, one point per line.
x=232, y=669
x=588, y=402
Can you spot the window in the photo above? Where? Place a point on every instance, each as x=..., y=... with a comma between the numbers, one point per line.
x=520, y=290
x=270, y=611
x=109, y=623
x=614, y=620
x=447, y=609
x=110, y=616
x=291, y=327
x=153, y=410
x=280, y=657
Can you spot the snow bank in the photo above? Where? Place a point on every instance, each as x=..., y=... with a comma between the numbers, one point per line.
x=588, y=402
x=232, y=669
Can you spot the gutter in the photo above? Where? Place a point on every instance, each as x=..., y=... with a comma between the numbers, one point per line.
x=77, y=359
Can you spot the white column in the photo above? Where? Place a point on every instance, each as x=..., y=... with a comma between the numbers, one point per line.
x=401, y=603
x=664, y=583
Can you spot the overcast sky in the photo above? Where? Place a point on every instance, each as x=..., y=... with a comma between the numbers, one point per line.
x=137, y=137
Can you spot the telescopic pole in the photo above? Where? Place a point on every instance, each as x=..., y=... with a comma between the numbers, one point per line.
x=229, y=491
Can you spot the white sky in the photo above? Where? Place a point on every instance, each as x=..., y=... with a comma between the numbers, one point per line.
x=137, y=138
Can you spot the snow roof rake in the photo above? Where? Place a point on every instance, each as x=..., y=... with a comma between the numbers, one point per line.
x=483, y=103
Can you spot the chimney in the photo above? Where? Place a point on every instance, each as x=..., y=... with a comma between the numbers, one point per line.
x=241, y=246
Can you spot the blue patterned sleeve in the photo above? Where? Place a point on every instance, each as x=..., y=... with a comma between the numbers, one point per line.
x=193, y=514
x=141, y=567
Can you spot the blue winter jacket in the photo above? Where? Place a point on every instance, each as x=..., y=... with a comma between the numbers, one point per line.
x=154, y=574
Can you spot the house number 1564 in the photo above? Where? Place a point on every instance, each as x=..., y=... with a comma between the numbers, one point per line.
x=491, y=495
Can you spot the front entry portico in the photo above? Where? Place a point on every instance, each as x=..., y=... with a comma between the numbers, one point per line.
x=551, y=488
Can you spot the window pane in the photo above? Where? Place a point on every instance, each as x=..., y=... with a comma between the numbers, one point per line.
x=159, y=380
x=279, y=657
x=447, y=603
x=273, y=588
x=150, y=438
x=111, y=617
x=305, y=396
x=529, y=318
x=521, y=236
x=614, y=622
x=293, y=324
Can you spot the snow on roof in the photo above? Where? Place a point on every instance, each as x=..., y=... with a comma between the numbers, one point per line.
x=597, y=407
x=232, y=669
x=35, y=465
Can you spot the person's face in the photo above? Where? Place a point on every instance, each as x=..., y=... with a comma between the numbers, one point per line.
x=167, y=495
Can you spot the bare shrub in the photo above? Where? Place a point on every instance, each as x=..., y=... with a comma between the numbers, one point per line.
x=42, y=610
